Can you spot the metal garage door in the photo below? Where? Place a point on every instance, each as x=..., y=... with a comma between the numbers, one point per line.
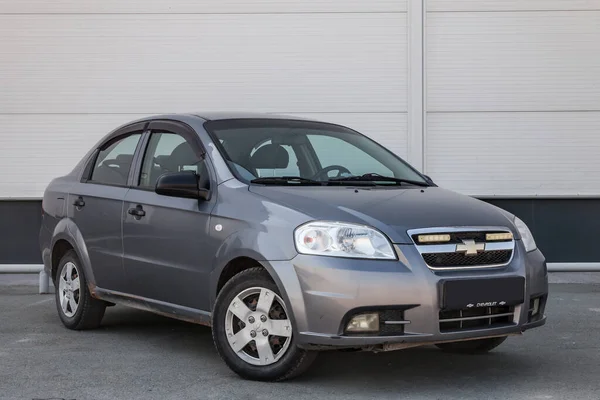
x=513, y=96
x=73, y=70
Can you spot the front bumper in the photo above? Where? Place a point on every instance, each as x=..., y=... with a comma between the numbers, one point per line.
x=323, y=291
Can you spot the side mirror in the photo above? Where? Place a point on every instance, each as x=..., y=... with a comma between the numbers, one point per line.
x=181, y=184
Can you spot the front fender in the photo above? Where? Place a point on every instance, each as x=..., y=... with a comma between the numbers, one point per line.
x=67, y=230
x=247, y=243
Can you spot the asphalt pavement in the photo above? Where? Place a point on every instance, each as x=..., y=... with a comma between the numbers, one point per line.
x=138, y=355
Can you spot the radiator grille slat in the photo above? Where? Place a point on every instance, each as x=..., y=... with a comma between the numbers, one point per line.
x=475, y=318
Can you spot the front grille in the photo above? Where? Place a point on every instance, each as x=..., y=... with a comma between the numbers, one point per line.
x=476, y=318
x=441, y=260
x=467, y=247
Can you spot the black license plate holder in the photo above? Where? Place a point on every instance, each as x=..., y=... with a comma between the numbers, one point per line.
x=457, y=294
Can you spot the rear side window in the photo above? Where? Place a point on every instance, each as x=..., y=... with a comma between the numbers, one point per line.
x=114, y=161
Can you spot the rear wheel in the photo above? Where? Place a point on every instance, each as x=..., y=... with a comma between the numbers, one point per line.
x=478, y=346
x=76, y=307
x=252, y=330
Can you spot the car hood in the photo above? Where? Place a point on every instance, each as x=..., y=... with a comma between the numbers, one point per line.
x=391, y=210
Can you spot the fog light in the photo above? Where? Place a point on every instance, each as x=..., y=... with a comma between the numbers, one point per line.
x=536, y=306
x=364, y=323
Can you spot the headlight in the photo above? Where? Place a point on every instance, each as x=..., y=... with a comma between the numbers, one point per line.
x=526, y=235
x=338, y=239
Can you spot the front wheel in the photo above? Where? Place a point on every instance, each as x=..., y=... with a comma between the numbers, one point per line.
x=252, y=330
x=478, y=346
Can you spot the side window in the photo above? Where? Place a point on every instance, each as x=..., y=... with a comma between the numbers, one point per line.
x=168, y=152
x=333, y=151
x=291, y=169
x=114, y=161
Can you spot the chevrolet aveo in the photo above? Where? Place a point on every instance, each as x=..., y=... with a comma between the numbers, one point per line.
x=288, y=237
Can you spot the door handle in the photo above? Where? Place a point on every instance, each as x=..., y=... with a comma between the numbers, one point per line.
x=138, y=212
x=79, y=203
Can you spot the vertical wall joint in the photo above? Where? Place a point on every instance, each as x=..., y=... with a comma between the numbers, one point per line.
x=416, y=83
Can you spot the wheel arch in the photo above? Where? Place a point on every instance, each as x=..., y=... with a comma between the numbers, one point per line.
x=228, y=267
x=243, y=259
x=59, y=249
x=67, y=236
x=234, y=267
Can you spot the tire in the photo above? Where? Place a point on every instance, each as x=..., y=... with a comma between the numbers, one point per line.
x=479, y=346
x=287, y=359
x=83, y=312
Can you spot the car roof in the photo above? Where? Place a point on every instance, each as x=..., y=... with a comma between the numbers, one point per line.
x=210, y=116
x=221, y=115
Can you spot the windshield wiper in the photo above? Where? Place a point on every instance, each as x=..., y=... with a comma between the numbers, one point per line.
x=286, y=180
x=374, y=177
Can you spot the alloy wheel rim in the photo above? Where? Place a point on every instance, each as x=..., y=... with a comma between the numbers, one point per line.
x=69, y=289
x=257, y=326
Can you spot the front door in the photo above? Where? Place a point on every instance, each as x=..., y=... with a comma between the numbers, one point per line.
x=167, y=249
x=96, y=204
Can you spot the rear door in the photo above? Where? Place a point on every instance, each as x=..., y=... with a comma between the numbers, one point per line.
x=96, y=203
x=167, y=247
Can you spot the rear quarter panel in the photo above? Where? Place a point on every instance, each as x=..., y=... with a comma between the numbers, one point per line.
x=57, y=226
x=53, y=211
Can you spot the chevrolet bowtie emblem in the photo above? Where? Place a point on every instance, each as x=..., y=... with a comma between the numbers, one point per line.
x=469, y=247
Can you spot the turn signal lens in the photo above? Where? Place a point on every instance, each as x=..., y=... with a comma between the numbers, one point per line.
x=364, y=323
x=433, y=238
x=490, y=237
x=526, y=235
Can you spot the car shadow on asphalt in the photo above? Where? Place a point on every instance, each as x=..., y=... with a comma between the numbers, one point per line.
x=424, y=367
x=411, y=368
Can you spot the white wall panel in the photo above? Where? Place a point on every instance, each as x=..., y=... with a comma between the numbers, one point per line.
x=197, y=6
x=165, y=63
x=516, y=154
x=69, y=79
x=513, y=97
x=513, y=61
x=37, y=148
x=511, y=5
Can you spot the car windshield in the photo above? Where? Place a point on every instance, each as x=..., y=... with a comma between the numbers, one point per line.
x=291, y=152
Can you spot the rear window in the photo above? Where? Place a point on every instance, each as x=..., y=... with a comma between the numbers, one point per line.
x=114, y=161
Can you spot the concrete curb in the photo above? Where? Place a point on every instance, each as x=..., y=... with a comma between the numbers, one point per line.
x=574, y=277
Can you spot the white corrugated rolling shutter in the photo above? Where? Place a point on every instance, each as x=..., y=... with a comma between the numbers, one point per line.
x=513, y=96
x=70, y=71
x=512, y=86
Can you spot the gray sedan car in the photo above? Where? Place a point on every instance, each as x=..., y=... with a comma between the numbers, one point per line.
x=288, y=237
